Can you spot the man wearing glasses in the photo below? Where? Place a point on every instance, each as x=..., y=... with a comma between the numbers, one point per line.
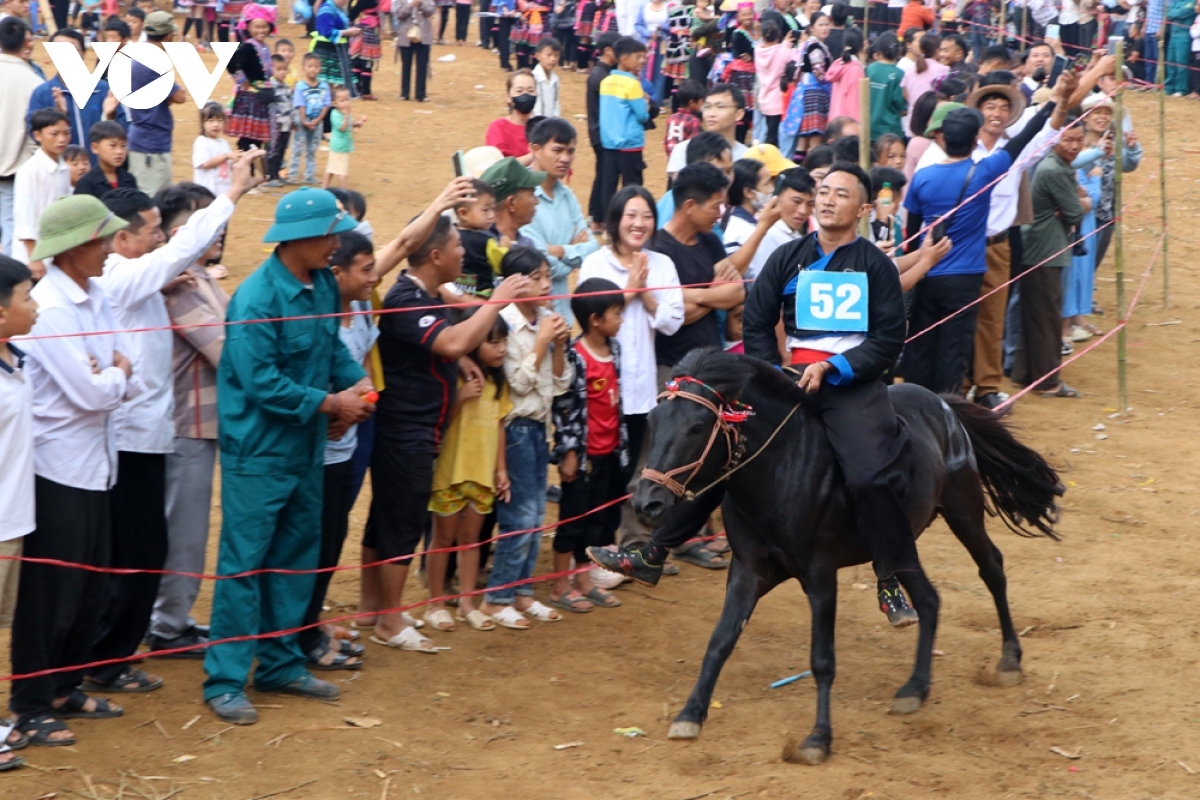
x=724, y=106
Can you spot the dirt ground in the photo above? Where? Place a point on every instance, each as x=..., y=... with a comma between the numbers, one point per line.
x=1110, y=645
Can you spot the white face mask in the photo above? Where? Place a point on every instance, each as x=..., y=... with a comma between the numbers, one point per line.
x=760, y=200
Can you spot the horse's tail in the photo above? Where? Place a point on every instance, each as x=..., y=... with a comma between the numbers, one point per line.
x=1022, y=488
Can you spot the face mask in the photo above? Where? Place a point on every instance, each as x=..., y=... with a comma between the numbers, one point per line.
x=524, y=103
x=761, y=199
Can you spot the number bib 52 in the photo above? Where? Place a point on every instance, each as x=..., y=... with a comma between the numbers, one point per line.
x=831, y=301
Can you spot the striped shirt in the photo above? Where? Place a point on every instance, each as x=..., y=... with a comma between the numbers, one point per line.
x=196, y=353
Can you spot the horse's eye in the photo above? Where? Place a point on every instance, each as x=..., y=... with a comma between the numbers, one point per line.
x=696, y=430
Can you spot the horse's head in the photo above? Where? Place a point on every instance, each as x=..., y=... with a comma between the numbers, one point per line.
x=693, y=431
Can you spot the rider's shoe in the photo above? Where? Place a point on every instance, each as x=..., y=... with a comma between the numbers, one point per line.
x=893, y=603
x=625, y=561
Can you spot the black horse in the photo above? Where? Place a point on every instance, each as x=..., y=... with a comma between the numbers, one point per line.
x=787, y=514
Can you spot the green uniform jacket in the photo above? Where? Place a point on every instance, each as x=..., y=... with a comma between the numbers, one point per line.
x=274, y=375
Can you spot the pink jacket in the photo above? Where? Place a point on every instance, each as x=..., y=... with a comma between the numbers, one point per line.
x=769, y=62
x=843, y=98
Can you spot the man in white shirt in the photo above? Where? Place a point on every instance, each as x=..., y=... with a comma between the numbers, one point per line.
x=17, y=82
x=78, y=382
x=796, y=192
x=135, y=274
x=724, y=106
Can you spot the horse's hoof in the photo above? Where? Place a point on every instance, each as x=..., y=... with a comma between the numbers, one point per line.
x=1009, y=677
x=804, y=752
x=906, y=705
x=684, y=730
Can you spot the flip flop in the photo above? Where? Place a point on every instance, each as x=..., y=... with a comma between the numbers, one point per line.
x=20, y=743
x=13, y=763
x=477, y=620
x=407, y=639
x=76, y=700
x=440, y=619
x=1062, y=391
x=509, y=617
x=142, y=683
x=340, y=660
x=567, y=602
x=602, y=599
x=542, y=612
x=699, y=556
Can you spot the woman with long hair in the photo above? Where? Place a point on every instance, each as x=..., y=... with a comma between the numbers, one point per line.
x=808, y=110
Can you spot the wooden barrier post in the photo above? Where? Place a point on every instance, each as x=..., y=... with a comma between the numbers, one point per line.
x=1161, y=78
x=864, y=142
x=1119, y=233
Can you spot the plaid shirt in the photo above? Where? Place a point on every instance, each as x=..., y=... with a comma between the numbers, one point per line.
x=1155, y=11
x=569, y=412
x=196, y=353
x=681, y=126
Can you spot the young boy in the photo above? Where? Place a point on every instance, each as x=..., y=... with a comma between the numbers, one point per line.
x=40, y=181
x=78, y=162
x=313, y=101
x=606, y=61
x=17, y=314
x=476, y=227
x=284, y=115
x=108, y=143
x=341, y=138
x=685, y=123
x=549, y=51
x=287, y=50
x=116, y=30
x=591, y=444
x=624, y=111
x=135, y=18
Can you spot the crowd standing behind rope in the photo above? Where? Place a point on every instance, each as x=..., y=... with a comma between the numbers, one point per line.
x=983, y=172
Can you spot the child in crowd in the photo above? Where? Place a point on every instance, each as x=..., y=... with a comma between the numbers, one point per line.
x=846, y=74
x=470, y=476
x=888, y=105
x=211, y=153
x=476, y=225
x=287, y=51
x=537, y=370
x=733, y=329
x=528, y=28
x=313, y=101
x=89, y=20
x=591, y=444
x=685, y=122
x=889, y=151
x=771, y=57
x=624, y=110
x=285, y=115
x=885, y=220
x=40, y=181
x=135, y=18
x=564, y=31
x=78, y=162
x=341, y=137
x=107, y=139
x=115, y=30
x=549, y=51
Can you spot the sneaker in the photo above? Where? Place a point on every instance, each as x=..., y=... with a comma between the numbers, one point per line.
x=605, y=579
x=1067, y=347
x=893, y=603
x=234, y=707
x=993, y=400
x=308, y=686
x=624, y=561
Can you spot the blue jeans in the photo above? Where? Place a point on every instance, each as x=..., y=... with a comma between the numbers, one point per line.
x=306, y=140
x=1150, y=58
x=6, y=217
x=515, y=558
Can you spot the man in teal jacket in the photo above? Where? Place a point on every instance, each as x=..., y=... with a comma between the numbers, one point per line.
x=282, y=387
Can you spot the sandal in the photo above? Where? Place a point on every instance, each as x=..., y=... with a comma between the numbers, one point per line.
x=440, y=619
x=142, y=683
x=12, y=763
x=700, y=556
x=719, y=545
x=509, y=617
x=340, y=660
x=1062, y=391
x=73, y=708
x=542, y=613
x=570, y=601
x=347, y=647
x=602, y=599
x=39, y=728
x=477, y=620
x=407, y=639
x=19, y=743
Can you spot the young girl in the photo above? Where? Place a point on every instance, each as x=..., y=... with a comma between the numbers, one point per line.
x=507, y=134
x=888, y=105
x=845, y=75
x=771, y=58
x=740, y=42
x=470, y=476
x=888, y=151
x=341, y=137
x=537, y=370
x=365, y=49
x=211, y=152
x=527, y=30
x=808, y=110
x=250, y=119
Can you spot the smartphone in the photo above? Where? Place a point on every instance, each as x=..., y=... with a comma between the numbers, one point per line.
x=1052, y=31
x=1113, y=42
x=460, y=168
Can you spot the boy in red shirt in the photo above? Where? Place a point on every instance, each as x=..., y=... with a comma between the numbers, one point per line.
x=915, y=15
x=591, y=444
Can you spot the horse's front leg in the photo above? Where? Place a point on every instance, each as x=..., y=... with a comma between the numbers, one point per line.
x=747, y=583
x=910, y=696
x=822, y=598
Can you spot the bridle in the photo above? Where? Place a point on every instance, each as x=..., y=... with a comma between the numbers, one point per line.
x=728, y=416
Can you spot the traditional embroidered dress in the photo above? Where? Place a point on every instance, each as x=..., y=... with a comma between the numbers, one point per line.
x=251, y=117
x=332, y=48
x=808, y=110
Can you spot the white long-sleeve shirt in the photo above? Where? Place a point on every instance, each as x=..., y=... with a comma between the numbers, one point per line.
x=627, y=13
x=531, y=387
x=39, y=182
x=72, y=404
x=1003, y=210
x=134, y=287
x=639, y=378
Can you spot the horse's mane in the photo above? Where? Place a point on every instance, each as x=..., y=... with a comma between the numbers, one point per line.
x=730, y=374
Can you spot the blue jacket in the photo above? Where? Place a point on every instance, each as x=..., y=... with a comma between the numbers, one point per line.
x=81, y=119
x=623, y=110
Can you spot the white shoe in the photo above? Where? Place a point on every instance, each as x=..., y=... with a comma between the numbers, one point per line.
x=604, y=579
x=1079, y=334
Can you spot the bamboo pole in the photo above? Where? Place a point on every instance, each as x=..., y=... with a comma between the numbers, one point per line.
x=864, y=142
x=1161, y=78
x=1003, y=23
x=1119, y=233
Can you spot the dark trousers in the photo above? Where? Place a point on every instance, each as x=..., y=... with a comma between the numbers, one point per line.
x=277, y=154
x=570, y=44
x=139, y=541
x=938, y=359
x=500, y=34
x=603, y=481
x=487, y=26
x=621, y=168
x=421, y=53
x=58, y=608
x=335, y=523
x=1040, y=350
x=596, y=209
x=772, y=128
x=462, y=19
x=445, y=19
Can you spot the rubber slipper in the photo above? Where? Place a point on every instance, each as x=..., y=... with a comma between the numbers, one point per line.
x=13, y=763
x=719, y=545
x=347, y=647
x=20, y=743
x=542, y=613
x=697, y=555
x=39, y=728
x=509, y=617
x=440, y=620
x=407, y=639
x=602, y=599
x=142, y=683
x=412, y=621
x=76, y=700
x=569, y=601
x=340, y=660
x=1062, y=391
x=477, y=620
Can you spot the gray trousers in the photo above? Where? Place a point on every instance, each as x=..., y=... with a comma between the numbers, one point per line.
x=189, y=501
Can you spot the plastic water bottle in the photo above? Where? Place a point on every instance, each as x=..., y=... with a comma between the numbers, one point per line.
x=885, y=198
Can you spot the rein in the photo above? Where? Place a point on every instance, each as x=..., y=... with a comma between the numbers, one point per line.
x=728, y=417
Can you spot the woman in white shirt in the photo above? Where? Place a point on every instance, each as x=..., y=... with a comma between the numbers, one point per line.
x=631, y=223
